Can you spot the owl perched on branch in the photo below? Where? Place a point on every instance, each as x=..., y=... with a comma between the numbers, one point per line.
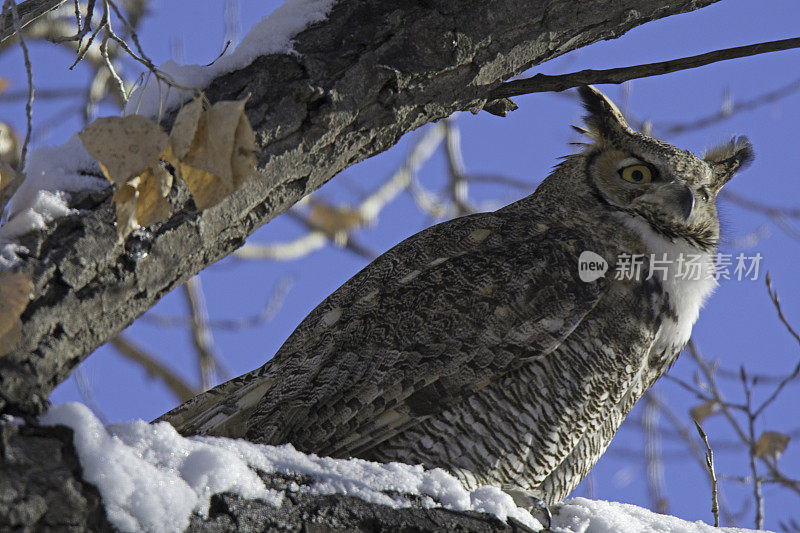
x=504, y=347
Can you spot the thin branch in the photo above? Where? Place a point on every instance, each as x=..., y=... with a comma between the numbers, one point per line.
x=698, y=455
x=545, y=83
x=759, y=207
x=202, y=339
x=776, y=301
x=758, y=495
x=84, y=26
x=42, y=94
x=652, y=452
x=773, y=295
x=711, y=473
x=29, y=72
x=730, y=108
x=154, y=368
x=267, y=313
x=457, y=184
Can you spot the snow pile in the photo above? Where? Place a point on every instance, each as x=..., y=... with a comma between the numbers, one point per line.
x=272, y=35
x=580, y=515
x=152, y=479
x=51, y=173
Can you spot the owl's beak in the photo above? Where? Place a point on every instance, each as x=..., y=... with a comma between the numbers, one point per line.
x=684, y=198
x=675, y=199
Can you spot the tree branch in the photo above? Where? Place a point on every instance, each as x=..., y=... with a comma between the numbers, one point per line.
x=545, y=83
x=28, y=11
x=182, y=390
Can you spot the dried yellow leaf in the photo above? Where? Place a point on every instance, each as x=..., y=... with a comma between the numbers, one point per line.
x=334, y=219
x=10, y=180
x=151, y=207
x=206, y=188
x=124, y=146
x=15, y=293
x=125, y=202
x=185, y=127
x=7, y=175
x=771, y=444
x=703, y=411
x=163, y=179
x=212, y=150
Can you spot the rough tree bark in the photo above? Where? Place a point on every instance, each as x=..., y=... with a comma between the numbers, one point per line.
x=368, y=74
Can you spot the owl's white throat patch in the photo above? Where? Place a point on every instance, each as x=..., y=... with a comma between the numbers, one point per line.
x=687, y=277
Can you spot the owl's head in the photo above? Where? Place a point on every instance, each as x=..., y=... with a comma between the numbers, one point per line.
x=673, y=190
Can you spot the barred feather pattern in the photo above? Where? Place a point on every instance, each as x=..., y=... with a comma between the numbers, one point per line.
x=541, y=428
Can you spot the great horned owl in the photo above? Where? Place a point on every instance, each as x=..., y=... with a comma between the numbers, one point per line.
x=476, y=345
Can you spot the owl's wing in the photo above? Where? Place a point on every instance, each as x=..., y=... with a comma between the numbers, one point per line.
x=434, y=319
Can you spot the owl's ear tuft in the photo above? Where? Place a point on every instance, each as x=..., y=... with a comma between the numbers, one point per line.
x=604, y=119
x=725, y=160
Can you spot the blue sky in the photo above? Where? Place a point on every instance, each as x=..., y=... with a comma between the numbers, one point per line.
x=739, y=325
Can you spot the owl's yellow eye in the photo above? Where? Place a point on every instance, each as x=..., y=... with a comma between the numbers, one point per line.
x=636, y=174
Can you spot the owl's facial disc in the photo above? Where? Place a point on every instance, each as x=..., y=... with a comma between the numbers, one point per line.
x=676, y=202
x=672, y=189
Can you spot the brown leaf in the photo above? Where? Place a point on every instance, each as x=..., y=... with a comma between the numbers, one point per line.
x=212, y=149
x=206, y=188
x=185, y=127
x=703, y=411
x=334, y=219
x=771, y=444
x=151, y=207
x=125, y=202
x=163, y=179
x=124, y=146
x=10, y=181
x=221, y=153
x=15, y=293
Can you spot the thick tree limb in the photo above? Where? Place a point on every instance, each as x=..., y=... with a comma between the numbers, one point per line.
x=352, y=91
x=41, y=490
x=546, y=83
x=28, y=11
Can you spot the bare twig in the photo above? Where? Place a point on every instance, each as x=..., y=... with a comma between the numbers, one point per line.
x=711, y=473
x=10, y=5
x=779, y=215
x=652, y=452
x=83, y=26
x=730, y=108
x=758, y=495
x=776, y=301
x=773, y=294
x=267, y=313
x=697, y=453
x=457, y=182
x=202, y=339
x=545, y=83
x=154, y=368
